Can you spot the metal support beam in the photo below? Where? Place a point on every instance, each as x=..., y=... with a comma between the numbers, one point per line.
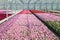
x=40, y=6
x=6, y=6
x=46, y=6
x=22, y=3
x=35, y=3
x=29, y=3
x=52, y=6
x=57, y=6
x=16, y=6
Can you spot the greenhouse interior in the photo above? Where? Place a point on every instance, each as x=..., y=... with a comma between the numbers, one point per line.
x=29, y=19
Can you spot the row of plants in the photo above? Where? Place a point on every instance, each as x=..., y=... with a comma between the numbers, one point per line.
x=51, y=21
x=54, y=25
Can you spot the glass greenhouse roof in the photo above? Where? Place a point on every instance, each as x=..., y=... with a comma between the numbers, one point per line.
x=30, y=4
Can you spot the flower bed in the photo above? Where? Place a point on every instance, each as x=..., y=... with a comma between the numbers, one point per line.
x=3, y=14
x=37, y=11
x=51, y=20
